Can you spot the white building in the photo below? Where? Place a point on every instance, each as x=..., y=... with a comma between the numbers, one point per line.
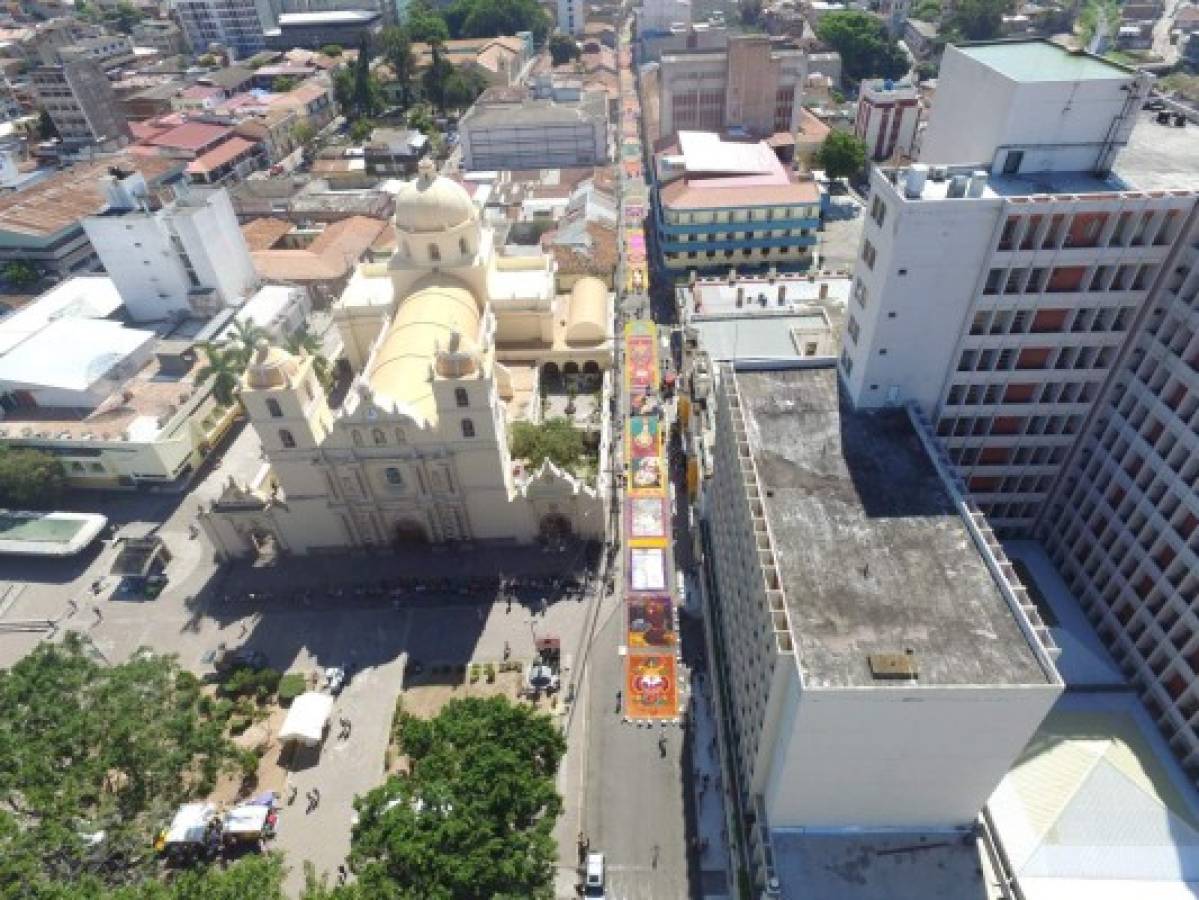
x=572, y=16
x=1036, y=298
x=449, y=342
x=662, y=15
x=116, y=405
x=279, y=310
x=887, y=116
x=535, y=134
x=883, y=666
x=185, y=257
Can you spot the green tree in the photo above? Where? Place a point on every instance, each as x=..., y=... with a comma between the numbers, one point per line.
x=20, y=273
x=125, y=16
x=283, y=84
x=46, y=129
x=554, y=439
x=435, y=78
x=245, y=337
x=304, y=342
x=425, y=24
x=867, y=51
x=462, y=87
x=397, y=50
x=491, y=18
x=303, y=133
x=563, y=49
x=30, y=479
x=475, y=817
x=842, y=155
x=361, y=130
x=366, y=90
x=927, y=10
x=332, y=50
x=224, y=367
x=86, y=748
x=343, y=92
x=979, y=20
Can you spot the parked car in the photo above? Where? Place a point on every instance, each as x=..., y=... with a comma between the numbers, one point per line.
x=242, y=658
x=335, y=679
x=594, y=877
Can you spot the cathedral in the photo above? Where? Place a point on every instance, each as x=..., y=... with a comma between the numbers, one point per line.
x=450, y=343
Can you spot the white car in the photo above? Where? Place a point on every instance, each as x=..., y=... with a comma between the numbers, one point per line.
x=593, y=881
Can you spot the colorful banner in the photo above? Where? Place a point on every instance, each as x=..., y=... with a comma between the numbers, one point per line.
x=646, y=521
x=647, y=569
x=651, y=622
x=641, y=356
x=644, y=436
x=651, y=686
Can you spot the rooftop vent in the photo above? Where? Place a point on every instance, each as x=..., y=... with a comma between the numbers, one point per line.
x=894, y=666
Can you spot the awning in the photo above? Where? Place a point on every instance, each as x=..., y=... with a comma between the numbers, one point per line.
x=307, y=718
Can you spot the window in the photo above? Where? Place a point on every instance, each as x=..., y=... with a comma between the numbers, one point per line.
x=1012, y=162
x=846, y=362
x=461, y=397
x=868, y=254
x=434, y=253
x=378, y=437
x=401, y=438
x=393, y=476
x=853, y=329
x=468, y=428
x=273, y=407
x=463, y=247
x=286, y=438
x=356, y=437
x=878, y=211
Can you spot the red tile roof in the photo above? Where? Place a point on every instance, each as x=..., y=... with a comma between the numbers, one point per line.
x=219, y=155
x=192, y=136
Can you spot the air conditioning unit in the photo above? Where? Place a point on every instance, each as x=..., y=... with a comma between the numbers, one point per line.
x=938, y=173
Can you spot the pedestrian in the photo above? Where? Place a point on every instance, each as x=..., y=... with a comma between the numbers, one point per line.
x=654, y=862
x=341, y=874
x=316, y=795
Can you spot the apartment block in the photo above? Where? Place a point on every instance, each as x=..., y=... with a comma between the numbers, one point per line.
x=185, y=257
x=1033, y=286
x=755, y=84
x=81, y=103
x=998, y=293
x=236, y=24
x=572, y=16
x=887, y=116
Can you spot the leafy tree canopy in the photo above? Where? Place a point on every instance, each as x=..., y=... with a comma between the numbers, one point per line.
x=333, y=50
x=563, y=49
x=425, y=24
x=19, y=273
x=842, y=155
x=867, y=51
x=30, y=479
x=476, y=815
x=86, y=748
x=978, y=20
x=554, y=439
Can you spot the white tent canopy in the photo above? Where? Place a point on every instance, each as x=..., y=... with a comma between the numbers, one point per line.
x=307, y=718
x=190, y=823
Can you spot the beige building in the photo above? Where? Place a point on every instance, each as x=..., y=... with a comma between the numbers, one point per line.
x=450, y=343
x=756, y=83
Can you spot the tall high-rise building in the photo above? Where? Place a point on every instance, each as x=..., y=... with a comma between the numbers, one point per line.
x=81, y=103
x=185, y=257
x=1032, y=287
x=572, y=16
x=235, y=24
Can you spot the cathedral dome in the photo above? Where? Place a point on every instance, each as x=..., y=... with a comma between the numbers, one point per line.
x=432, y=203
x=270, y=367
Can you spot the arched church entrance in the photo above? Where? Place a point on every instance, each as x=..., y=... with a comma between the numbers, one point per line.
x=555, y=527
x=410, y=531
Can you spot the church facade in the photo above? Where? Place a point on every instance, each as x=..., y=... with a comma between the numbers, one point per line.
x=450, y=343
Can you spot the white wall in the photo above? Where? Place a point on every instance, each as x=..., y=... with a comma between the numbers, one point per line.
x=904, y=757
x=214, y=243
x=942, y=247
x=976, y=111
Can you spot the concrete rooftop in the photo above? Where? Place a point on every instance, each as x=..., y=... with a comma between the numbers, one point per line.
x=891, y=866
x=1039, y=60
x=872, y=554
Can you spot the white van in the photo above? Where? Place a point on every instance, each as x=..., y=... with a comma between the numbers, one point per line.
x=593, y=884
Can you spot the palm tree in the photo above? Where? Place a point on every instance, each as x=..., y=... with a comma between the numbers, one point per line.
x=224, y=368
x=303, y=341
x=245, y=337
